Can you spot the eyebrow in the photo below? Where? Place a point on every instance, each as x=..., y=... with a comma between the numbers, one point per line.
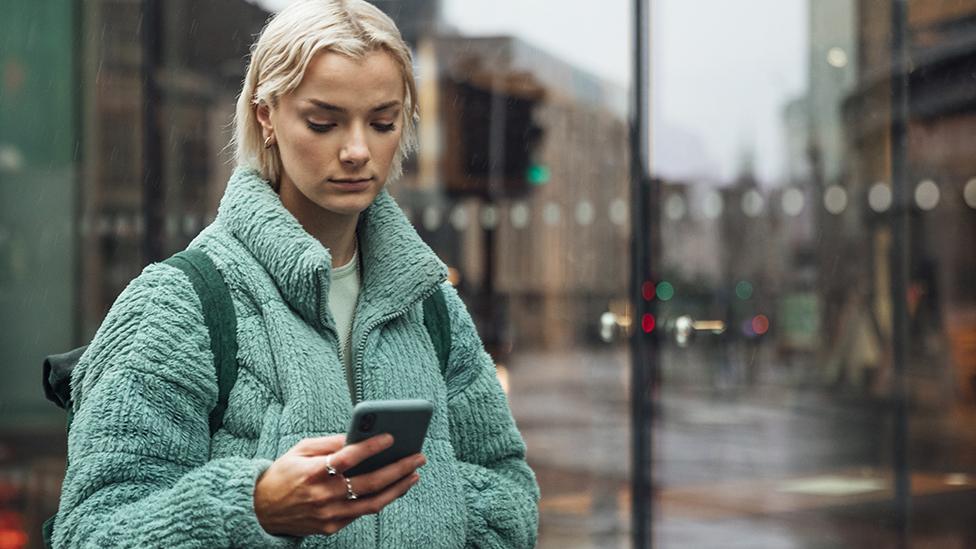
x=335, y=108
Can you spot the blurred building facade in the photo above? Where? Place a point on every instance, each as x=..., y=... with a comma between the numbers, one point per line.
x=155, y=126
x=526, y=158
x=941, y=121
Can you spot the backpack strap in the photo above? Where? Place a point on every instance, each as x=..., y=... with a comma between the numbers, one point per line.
x=438, y=323
x=221, y=321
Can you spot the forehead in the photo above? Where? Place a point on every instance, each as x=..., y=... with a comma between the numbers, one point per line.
x=354, y=84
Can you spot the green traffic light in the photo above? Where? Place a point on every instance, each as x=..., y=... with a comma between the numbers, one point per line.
x=665, y=291
x=537, y=174
x=743, y=290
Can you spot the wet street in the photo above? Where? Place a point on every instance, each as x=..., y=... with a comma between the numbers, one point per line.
x=751, y=468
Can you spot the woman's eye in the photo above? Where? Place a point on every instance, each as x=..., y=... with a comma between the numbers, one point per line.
x=320, y=128
x=384, y=127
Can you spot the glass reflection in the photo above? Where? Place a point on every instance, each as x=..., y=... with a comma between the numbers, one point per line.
x=785, y=428
x=772, y=237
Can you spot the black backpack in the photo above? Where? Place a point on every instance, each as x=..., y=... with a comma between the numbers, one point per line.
x=221, y=321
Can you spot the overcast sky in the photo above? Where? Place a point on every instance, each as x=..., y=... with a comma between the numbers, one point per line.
x=722, y=71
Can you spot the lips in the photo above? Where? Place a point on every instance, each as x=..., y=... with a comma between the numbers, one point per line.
x=359, y=180
x=352, y=184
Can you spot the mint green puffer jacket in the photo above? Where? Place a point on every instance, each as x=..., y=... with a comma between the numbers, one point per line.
x=143, y=470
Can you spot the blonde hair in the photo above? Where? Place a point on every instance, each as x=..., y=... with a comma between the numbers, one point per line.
x=283, y=52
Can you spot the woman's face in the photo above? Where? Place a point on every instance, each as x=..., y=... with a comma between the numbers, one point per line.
x=337, y=133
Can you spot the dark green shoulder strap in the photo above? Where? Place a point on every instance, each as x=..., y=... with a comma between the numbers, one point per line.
x=438, y=323
x=221, y=321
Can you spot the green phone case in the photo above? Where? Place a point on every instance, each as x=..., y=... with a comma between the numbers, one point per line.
x=406, y=420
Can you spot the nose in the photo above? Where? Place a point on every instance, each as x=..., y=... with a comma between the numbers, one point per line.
x=355, y=152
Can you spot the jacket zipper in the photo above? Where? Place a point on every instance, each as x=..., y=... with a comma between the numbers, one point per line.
x=361, y=348
x=358, y=356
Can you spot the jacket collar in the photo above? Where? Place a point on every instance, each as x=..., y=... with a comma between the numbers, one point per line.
x=399, y=268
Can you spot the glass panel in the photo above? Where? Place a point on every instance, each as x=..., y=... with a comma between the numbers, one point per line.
x=783, y=401
x=38, y=249
x=520, y=184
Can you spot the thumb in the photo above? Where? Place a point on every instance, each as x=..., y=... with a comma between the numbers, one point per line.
x=317, y=446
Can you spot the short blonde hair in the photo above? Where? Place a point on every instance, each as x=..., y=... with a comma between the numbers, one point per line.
x=283, y=52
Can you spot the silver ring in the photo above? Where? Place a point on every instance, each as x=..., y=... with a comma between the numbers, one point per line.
x=350, y=495
x=328, y=466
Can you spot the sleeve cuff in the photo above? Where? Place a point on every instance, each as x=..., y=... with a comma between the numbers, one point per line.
x=243, y=527
x=497, y=514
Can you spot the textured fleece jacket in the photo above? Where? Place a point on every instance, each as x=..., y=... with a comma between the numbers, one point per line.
x=143, y=470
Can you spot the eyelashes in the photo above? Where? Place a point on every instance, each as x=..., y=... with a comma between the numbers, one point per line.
x=385, y=128
x=320, y=128
x=323, y=128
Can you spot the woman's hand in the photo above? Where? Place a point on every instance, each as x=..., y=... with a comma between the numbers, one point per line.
x=297, y=497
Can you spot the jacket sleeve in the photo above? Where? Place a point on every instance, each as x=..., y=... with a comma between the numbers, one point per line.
x=502, y=494
x=138, y=471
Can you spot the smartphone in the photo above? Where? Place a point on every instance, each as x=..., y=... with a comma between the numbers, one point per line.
x=406, y=420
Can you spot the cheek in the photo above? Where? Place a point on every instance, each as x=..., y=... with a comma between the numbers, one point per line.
x=309, y=151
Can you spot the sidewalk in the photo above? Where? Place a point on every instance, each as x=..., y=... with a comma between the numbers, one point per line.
x=761, y=469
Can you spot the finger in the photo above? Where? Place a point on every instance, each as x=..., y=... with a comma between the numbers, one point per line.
x=351, y=455
x=317, y=446
x=375, y=504
x=322, y=471
x=376, y=481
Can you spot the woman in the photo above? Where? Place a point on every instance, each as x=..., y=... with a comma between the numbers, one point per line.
x=327, y=279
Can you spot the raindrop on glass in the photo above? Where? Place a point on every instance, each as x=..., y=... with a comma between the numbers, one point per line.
x=792, y=202
x=752, y=203
x=584, y=212
x=189, y=224
x=519, y=215
x=551, y=213
x=879, y=197
x=11, y=159
x=618, y=212
x=835, y=199
x=837, y=57
x=432, y=218
x=927, y=194
x=712, y=204
x=489, y=217
x=171, y=225
x=459, y=218
x=674, y=207
x=969, y=193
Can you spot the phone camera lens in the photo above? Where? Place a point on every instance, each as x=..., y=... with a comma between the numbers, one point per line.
x=367, y=422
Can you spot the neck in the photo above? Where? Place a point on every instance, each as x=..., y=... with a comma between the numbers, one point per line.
x=336, y=232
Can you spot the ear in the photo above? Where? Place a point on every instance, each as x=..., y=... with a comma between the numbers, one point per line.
x=263, y=113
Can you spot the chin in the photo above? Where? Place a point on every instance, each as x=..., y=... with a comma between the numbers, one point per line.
x=348, y=205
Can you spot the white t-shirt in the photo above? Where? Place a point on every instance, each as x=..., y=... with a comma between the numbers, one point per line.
x=343, y=295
